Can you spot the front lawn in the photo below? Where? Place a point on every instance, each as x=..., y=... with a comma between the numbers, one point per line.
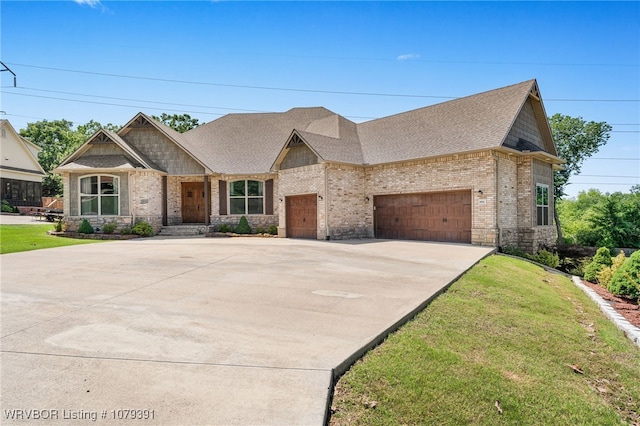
x=509, y=343
x=16, y=238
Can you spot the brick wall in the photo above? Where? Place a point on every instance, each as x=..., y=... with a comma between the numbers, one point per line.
x=349, y=215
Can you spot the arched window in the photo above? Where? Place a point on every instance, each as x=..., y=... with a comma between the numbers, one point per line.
x=100, y=195
x=246, y=197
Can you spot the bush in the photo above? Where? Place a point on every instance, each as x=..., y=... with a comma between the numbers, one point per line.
x=545, y=257
x=273, y=230
x=108, y=228
x=606, y=274
x=626, y=279
x=60, y=225
x=225, y=228
x=575, y=266
x=125, y=231
x=85, y=227
x=259, y=230
x=513, y=251
x=243, y=227
x=600, y=260
x=8, y=208
x=143, y=229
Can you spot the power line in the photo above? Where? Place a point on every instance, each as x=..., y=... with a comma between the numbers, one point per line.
x=607, y=176
x=614, y=158
x=600, y=183
x=289, y=89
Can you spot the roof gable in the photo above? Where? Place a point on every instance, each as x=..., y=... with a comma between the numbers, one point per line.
x=106, y=150
x=19, y=154
x=141, y=120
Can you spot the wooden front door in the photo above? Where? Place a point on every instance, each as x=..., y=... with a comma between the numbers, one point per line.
x=302, y=216
x=193, y=199
x=442, y=216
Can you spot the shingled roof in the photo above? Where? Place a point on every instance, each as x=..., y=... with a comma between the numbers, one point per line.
x=468, y=124
x=250, y=143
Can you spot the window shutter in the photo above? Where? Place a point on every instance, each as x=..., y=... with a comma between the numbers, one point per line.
x=268, y=196
x=222, y=190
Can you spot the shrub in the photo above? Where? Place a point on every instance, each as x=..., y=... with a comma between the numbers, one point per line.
x=626, y=279
x=108, y=228
x=60, y=225
x=259, y=230
x=545, y=257
x=606, y=274
x=125, y=231
x=85, y=227
x=7, y=207
x=575, y=266
x=600, y=260
x=273, y=230
x=225, y=228
x=243, y=227
x=143, y=229
x=513, y=251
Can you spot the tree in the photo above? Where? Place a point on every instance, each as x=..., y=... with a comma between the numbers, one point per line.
x=576, y=140
x=178, y=122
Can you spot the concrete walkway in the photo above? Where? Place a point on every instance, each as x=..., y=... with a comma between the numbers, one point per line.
x=202, y=330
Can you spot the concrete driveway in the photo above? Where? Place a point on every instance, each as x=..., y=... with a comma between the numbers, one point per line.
x=202, y=330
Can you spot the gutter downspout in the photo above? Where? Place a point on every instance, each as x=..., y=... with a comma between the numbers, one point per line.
x=497, y=189
x=132, y=196
x=326, y=202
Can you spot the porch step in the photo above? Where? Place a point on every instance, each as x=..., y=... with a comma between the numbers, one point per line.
x=183, y=230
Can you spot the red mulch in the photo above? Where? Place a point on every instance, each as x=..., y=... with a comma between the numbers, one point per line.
x=626, y=307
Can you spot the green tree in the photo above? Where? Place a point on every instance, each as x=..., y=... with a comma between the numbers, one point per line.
x=576, y=140
x=597, y=219
x=178, y=122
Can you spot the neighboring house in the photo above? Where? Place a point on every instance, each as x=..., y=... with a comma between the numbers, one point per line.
x=20, y=173
x=473, y=170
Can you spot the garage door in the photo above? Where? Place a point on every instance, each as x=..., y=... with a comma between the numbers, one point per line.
x=441, y=216
x=302, y=214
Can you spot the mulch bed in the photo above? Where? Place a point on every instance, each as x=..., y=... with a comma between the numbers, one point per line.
x=93, y=236
x=626, y=307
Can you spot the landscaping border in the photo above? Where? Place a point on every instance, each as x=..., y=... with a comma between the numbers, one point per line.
x=631, y=331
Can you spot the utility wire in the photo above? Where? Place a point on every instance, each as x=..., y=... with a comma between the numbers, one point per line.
x=288, y=89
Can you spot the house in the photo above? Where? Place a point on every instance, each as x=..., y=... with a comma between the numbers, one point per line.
x=20, y=173
x=473, y=170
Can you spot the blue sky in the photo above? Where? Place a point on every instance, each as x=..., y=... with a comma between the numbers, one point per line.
x=83, y=60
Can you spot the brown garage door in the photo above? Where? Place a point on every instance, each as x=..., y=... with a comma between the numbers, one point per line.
x=302, y=213
x=441, y=216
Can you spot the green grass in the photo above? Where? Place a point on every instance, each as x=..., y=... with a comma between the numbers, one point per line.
x=16, y=238
x=507, y=331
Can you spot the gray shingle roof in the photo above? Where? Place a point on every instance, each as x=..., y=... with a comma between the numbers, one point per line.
x=250, y=143
x=247, y=143
x=472, y=123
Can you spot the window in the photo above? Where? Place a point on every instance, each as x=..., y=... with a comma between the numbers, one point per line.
x=542, y=204
x=246, y=197
x=99, y=196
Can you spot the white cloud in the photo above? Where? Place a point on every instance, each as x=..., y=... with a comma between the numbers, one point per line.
x=408, y=56
x=90, y=3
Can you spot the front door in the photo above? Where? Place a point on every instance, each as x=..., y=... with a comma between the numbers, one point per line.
x=193, y=208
